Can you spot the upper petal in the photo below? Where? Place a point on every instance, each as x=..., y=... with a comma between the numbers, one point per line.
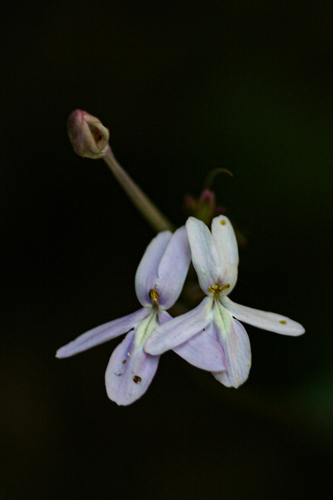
x=102, y=334
x=204, y=254
x=226, y=245
x=173, y=268
x=262, y=319
x=130, y=371
x=147, y=273
x=179, y=329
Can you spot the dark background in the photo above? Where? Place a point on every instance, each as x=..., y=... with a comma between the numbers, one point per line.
x=184, y=87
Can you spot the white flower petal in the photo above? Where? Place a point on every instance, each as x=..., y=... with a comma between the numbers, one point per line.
x=204, y=254
x=147, y=273
x=102, y=334
x=226, y=245
x=163, y=317
x=264, y=320
x=129, y=372
x=202, y=351
x=235, y=344
x=173, y=268
x=178, y=330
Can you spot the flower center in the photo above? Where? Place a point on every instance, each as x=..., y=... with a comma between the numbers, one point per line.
x=217, y=289
x=153, y=295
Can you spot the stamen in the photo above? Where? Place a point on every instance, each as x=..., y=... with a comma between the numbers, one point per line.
x=153, y=295
x=218, y=288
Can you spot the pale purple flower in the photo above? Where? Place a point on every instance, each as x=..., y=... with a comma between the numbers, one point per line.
x=215, y=258
x=158, y=283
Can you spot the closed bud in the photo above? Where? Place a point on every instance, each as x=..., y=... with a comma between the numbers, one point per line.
x=88, y=136
x=203, y=208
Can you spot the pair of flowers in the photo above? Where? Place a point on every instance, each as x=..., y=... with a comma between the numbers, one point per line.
x=209, y=337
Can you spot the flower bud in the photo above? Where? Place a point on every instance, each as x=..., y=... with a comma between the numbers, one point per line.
x=202, y=208
x=88, y=136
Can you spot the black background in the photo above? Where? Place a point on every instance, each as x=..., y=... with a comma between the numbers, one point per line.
x=183, y=87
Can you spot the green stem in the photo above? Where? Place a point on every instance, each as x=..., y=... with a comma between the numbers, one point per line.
x=147, y=208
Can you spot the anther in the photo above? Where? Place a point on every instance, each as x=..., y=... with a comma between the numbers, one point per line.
x=153, y=295
x=218, y=288
x=224, y=287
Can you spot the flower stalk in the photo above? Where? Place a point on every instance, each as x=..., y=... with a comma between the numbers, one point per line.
x=90, y=139
x=140, y=200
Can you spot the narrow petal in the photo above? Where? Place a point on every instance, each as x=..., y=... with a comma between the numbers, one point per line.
x=102, y=334
x=227, y=249
x=129, y=372
x=147, y=273
x=175, y=332
x=264, y=320
x=173, y=268
x=235, y=344
x=204, y=254
x=202, y=351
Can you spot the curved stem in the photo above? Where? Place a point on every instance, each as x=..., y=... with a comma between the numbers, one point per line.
x=212, y=174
